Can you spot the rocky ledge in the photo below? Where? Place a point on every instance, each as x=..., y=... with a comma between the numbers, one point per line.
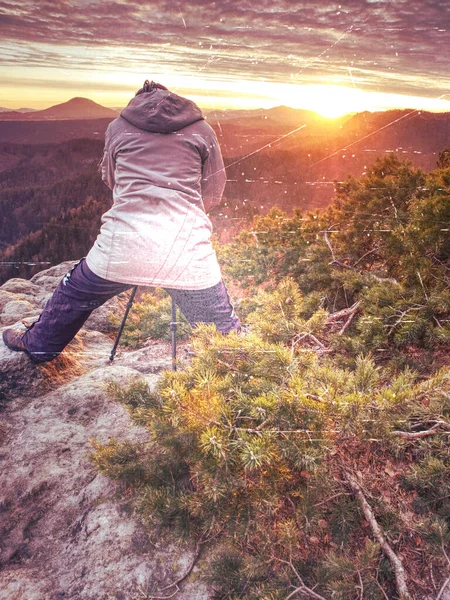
x=67, y=532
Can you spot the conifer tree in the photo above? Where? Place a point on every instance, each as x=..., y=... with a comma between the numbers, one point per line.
x=310, y=455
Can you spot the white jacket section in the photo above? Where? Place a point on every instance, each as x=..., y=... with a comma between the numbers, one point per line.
x=157, y=232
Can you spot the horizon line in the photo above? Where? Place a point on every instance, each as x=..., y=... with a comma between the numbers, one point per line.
x=207, y=110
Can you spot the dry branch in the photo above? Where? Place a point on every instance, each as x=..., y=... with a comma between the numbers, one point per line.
x=343, y=314
x=302, y=589
x=346, y=324
x=414, y=435
x=447, y=581
x=443, y=588
x=301, y=336
x=339, y=263
x=180, y=579
x=400, y=574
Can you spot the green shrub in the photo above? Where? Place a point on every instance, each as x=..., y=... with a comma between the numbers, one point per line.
x=250, y=445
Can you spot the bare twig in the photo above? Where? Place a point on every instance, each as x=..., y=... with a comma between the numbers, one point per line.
x=432, y=577
x=400, y=574
x=445, y=553
x=302, y=589
x=414, y=435
x=437, y=322
x=382, y=591
x=338, y=263
x=301, y=336
x=367, y=254
x=443, y=588
x=399, y=321
x=306, y=334
x=327, y=240
x=361, y=586
x=316, y=341
x=180, y=579
x=331, y=498
x=347, y=323
x=447, y=581
x=342, y=314
x=164, y=597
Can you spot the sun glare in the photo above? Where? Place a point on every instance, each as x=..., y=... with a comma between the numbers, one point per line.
x=330, y=101
x=333, y=101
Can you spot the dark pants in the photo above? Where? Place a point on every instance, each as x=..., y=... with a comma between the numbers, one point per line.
x=81, y=291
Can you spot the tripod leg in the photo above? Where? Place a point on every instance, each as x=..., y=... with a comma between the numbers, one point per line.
x=173, y=329
x=122, y=325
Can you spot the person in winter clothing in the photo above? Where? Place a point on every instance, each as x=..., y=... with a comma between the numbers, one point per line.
x=163, y=163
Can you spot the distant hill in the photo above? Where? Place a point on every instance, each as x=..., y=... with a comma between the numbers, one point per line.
x=29, y=131
x=278, y=115
x=342, y=144
x=18, y=110
x=76, y=108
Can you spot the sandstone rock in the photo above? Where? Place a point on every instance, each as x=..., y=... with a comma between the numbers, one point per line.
x=19, y=376
x=6, y=297
x=20, y=286
x=66, y=532
x=100, y=317
x=56, y=273
x=15, y=310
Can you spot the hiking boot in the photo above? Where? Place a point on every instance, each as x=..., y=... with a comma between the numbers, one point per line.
x=13, y=340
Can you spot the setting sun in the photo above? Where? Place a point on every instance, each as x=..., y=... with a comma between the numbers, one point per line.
x=333, y=101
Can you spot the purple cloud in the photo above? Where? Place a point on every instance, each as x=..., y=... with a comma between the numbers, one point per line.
x=364, y=42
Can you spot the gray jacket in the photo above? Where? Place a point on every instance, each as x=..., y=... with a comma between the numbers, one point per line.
x=164, y=165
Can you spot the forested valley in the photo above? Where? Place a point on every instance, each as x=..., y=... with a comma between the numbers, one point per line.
x=52, y=196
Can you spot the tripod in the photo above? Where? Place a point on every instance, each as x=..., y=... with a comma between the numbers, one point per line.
x=173, y=328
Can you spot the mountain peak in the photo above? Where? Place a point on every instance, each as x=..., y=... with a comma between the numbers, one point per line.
x=78, y=101
x=75, y=108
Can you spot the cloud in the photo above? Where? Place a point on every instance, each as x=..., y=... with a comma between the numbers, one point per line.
x=368, y=43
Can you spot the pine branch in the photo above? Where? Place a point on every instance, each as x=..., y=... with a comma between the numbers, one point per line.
x=400, y=574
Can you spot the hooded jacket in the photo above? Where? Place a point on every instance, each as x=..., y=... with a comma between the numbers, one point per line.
x=163, y=163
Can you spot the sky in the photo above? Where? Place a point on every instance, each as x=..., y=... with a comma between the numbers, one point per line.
x=332, y=57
